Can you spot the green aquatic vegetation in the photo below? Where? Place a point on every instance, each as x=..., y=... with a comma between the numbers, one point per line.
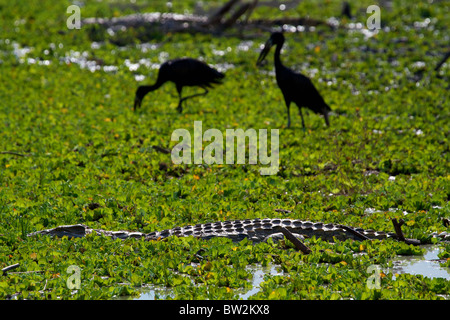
x=444, y=255
x=73, y=151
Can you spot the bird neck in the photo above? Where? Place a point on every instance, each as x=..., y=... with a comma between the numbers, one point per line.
x=277, y=55
x=147, y=89
x=143, y=90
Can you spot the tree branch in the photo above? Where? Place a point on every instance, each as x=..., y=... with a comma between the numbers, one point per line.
x=297, y=243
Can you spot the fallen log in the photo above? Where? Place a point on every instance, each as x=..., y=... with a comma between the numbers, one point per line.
x=217, y=23
x=9, y=268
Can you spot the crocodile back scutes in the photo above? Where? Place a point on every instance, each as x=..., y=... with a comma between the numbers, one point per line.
x=260, y=229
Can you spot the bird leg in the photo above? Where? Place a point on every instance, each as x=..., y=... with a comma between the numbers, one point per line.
x=301, y=115
x=180, y=108
x=288, y=113
x=326, y=119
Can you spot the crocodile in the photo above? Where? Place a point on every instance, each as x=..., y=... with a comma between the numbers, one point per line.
x=256, y=230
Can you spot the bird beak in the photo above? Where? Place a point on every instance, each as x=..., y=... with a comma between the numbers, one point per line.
x=264, y=52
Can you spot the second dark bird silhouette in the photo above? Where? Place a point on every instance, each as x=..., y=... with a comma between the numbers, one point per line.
x=295, y=86
x=183, y=72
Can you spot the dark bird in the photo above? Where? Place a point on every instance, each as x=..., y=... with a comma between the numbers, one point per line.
x=182, y=72
x=346, y=10
x=294, y=86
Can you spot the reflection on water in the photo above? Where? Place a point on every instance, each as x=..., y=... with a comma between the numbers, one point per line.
x=258, y=271
x=258, y=276
x=426, y=265
x=152, y=293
